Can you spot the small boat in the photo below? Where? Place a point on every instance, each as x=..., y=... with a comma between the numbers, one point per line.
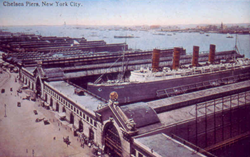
x=229, y=36
x=125, y=36
x=158, y=34
x=207, y=35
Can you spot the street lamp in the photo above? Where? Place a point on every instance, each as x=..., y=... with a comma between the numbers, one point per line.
x=5, y=111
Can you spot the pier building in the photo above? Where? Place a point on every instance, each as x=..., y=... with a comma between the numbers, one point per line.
x=197, y=123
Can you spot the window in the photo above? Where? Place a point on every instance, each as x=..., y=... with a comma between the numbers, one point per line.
x=91, y=121
x=95, y=124
x=87, y=118
x=74, y=109
x=77, y=111
x=71, y=107
x=81, y=114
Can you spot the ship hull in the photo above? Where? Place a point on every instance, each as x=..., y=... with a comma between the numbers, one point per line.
x=133, y=92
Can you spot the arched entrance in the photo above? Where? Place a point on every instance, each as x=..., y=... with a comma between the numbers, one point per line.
x=46, y=97
x=71, y=118
x=91, y=134
x=63, y=109
x=51, y=102
x=80, y=126
x=38, y=87
x=57, y=107
x=112, y=140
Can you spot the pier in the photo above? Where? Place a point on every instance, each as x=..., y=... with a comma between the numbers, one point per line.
x=200, y=119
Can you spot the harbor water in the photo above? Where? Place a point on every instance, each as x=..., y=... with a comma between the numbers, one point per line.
x=144, y=40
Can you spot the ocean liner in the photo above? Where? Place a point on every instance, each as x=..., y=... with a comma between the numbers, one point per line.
x=148, y=84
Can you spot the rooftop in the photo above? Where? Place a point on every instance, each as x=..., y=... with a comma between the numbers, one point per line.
x=163, y=105
x=180, y=114
x=141, y=113
x=166, y=146
x=86, y=101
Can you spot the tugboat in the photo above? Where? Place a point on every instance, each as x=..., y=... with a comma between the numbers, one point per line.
x=148, y=84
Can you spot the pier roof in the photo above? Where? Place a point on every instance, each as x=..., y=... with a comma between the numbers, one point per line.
x=54, y=74
x=166, y=146
x=141, y=113
x=188, y=99
x=86, y=101
x=181, y=108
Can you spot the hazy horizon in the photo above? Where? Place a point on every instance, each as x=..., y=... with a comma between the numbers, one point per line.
x=124, y=12
x=132, y=25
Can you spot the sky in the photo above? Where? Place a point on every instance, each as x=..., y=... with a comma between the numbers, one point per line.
x=124, y=12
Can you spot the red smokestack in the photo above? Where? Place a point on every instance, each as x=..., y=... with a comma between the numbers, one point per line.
x=211, y=54
x=155, y=60
x=195, y=56
x=176, y=59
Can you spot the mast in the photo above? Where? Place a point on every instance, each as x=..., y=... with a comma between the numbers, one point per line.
x=123, y=55
x=236, y=47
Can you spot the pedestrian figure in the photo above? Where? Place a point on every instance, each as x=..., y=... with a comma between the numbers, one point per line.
x=54, y=138
x=26, y=150
x=59, y=129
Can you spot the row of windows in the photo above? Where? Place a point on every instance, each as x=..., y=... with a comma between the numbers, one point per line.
x=66, y=103
x=70, y=106
x=25, y=78
x=27, y=75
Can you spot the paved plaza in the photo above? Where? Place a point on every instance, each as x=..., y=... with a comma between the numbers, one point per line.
x=20, y=135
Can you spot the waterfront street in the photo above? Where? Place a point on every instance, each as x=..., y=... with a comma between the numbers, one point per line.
x=20, y=135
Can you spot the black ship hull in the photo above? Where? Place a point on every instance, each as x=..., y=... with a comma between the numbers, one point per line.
x=134, y=92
